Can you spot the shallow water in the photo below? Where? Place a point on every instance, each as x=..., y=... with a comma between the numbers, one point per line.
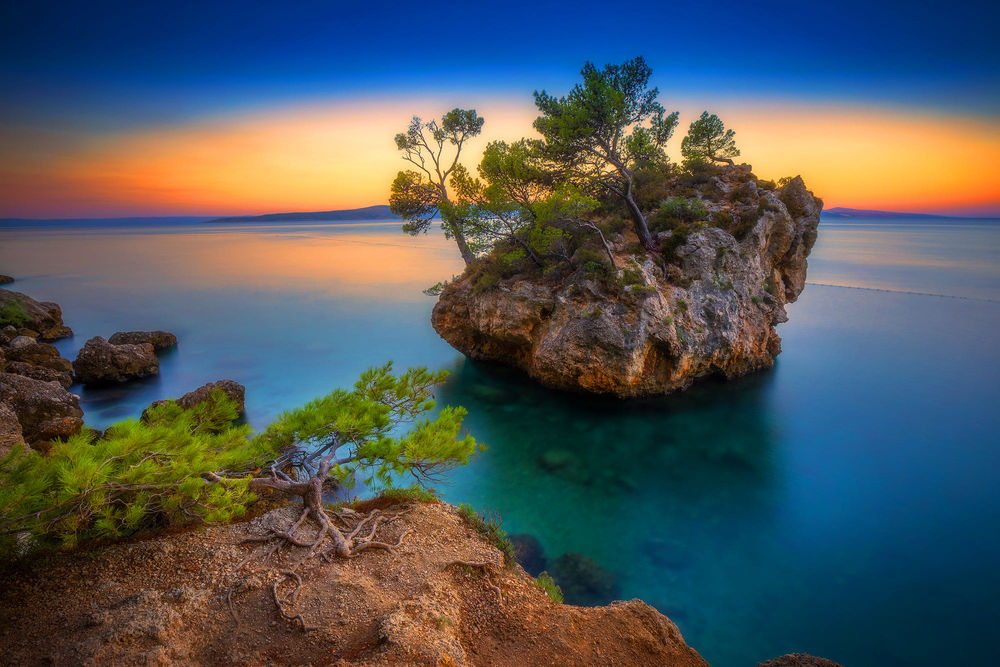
x=845, y=503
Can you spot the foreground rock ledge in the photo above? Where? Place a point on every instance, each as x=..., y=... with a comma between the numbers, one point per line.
x=163, y=601
x=714, y=312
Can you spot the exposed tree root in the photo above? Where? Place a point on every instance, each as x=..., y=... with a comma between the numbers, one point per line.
x=357, y=535
x=485, y=567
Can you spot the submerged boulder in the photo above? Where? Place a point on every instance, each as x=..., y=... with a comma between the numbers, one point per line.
x=44, y=318
x=709, y=309
x=798, y=660
x=529, y=553
x=583, y=581
x=160, y=340
x=44, y=410
x=101, y=362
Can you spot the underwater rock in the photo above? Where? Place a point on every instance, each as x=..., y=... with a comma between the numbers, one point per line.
x=160, y=340
x=565, y=464
x=798, y=660
x=99, y=361
x=665, y=553
x=583, y=581
x=712, y=314
x=529, y=553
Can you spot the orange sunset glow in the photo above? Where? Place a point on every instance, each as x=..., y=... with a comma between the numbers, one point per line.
x=332, y=156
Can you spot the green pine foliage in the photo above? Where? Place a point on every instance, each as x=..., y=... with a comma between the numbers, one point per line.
x=177, y=466
x=138, y=474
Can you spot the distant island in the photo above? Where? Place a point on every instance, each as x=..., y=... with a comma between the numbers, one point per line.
x=378, y=212
x=842, y=212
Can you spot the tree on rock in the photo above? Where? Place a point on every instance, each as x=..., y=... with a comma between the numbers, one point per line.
x=417, y=196
x=708, y=140
x=604, y=129
x=178, y=465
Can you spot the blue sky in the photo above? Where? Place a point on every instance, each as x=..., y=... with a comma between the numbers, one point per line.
x=113, y=63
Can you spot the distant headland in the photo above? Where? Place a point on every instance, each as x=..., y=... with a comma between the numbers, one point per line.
x=378, y=212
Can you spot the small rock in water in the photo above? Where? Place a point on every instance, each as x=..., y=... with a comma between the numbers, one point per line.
x=4, y=279
x=101, y=362
x=160, y=340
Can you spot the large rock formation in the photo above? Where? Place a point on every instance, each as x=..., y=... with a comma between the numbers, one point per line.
x=41, y=319
x=187, y=598
x=101, y=362
x=712, y=312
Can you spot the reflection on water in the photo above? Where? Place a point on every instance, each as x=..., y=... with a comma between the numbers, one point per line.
x=830, y=505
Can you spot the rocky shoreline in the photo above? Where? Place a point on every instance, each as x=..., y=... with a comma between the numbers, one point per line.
x=36, y=404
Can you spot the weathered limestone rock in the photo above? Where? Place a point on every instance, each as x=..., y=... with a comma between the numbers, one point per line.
x=44, y=409
x=714, y=312
x=101, y=362
x=160, y=340
x=43, y=317
x=10, y=430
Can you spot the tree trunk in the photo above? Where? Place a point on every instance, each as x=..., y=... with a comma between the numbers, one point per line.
x=463, y=247
x=639, y=222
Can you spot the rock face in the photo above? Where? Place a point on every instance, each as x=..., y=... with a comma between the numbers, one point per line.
x=44, y=318
x=160, y=340
x=44, y=410
x=101, y=362
x=10, y=430
x=165, y=600
x=712, y=313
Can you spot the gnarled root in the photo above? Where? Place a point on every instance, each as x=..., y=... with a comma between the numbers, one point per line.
x=483, y=566
x=357, y=536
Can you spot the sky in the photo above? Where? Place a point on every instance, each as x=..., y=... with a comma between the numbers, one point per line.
x=130, y=109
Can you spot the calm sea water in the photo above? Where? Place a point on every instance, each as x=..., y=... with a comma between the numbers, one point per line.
x=846, y=503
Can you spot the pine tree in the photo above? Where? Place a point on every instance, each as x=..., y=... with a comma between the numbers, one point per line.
x=176, y=465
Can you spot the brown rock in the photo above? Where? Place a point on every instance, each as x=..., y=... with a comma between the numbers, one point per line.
x=714, y=315
x=38, y=406
x=163, y=600
x=101, y=362
x=43, y=317
x=160, y=340
x=10, y=430
x=4, y=279
x=41, y=372
x=27, y=350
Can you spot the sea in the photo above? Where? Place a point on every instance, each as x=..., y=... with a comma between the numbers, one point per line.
x=845, y=503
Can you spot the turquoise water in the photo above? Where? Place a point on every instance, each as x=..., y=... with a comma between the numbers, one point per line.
x=846, y=503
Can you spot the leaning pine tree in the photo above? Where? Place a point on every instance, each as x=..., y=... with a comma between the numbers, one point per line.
x=177, y=465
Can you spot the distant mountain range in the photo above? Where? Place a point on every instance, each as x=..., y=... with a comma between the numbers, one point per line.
x=841, y=212
x=379, y=212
